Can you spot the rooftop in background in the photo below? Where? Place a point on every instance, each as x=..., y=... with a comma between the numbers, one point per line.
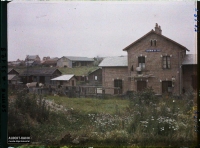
x=120, y=61
x=31, y=57
x=190, y=59
x=79, y=71
x=12, y=77
x=72, y=58
x=63, y=78
x=38, y=71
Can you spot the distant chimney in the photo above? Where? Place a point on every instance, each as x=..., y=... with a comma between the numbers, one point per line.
x=158, y=29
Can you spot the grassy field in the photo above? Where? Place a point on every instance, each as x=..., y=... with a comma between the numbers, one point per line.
x=92, y=105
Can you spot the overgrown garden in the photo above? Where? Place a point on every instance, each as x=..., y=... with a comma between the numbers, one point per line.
x=142, y=119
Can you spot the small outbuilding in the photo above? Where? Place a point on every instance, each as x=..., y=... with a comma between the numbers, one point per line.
x=64, y=80
x=13, y=79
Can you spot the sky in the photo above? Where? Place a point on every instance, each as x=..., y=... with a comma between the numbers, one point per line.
x=90, y=29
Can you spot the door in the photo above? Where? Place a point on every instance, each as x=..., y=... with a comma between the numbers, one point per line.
x=72, y=82
x=118, y=83
x=141, y=85
x=42, y=79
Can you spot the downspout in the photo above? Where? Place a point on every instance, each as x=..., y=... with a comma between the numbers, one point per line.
x=180, y=71
x=180, y=78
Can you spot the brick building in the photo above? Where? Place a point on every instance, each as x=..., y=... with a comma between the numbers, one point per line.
x=152, y=61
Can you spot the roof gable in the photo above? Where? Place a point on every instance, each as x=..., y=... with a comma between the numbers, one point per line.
x=153, y=32
x=11, y=69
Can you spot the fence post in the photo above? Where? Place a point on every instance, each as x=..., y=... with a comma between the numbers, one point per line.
x=79, y=92
x=103, y=93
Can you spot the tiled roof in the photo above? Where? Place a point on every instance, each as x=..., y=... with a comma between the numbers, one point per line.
x=152, y=31
x=72, y=58
x=31, y=57
x=51, y=61
x=63, y=78
x=190, y=59
x=39, y=72
x=10, y=69
x=121, y=61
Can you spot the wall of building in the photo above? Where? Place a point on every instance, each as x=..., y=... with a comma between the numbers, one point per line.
x=187, y=72
x=154, y=62
x=64, y=62
x=91, y=77
x=109, y=74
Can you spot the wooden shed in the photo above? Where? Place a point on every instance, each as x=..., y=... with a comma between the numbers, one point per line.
x=64, y=80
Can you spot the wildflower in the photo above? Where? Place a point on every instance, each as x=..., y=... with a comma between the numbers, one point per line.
x=173, y=100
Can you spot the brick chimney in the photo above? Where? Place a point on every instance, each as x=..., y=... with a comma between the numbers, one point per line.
x=158, y=29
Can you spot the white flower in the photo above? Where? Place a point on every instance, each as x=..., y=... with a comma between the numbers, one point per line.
x=173, y=100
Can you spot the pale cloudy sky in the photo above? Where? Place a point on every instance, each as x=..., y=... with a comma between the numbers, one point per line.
x=87, y=28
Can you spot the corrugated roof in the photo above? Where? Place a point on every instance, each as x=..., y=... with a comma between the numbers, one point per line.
x=190, y=59
x=63, y=78
x=79, y=58
x=121, y=61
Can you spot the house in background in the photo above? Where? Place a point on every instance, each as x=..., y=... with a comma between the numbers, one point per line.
x=40, y=75
x=45, y=58
x=50, y=62
x=94, y=78
x=34, y=58
x=64, y=80
x=70, y=61
x=152, y=61
x=13, y=79
x=31, y=63
x=12, y=71
x=13, y=76
x=15, y=63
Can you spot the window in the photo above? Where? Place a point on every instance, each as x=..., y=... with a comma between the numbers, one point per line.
x=155, y=42
x=141, y=62
x=95, y=78
x=151, y=42
x=118, y=83
x=166, y=62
